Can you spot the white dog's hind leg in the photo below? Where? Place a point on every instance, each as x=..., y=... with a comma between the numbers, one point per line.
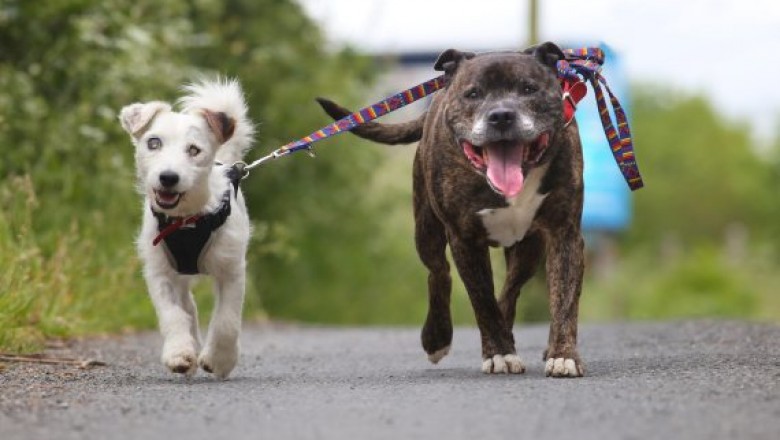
x=178, y=319
x=220, y=352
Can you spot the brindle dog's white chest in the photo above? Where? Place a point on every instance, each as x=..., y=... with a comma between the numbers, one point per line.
x=509, y=225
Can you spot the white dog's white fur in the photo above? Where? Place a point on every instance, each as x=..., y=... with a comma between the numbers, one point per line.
x=189, y=145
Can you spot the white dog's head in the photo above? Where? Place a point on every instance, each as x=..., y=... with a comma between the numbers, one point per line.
x=175, y=153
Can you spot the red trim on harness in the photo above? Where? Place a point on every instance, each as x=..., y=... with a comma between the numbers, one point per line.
x=573, y=92
x=173, y=227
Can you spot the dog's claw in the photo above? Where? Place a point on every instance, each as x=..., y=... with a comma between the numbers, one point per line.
x=563, y=367
x=507, y=364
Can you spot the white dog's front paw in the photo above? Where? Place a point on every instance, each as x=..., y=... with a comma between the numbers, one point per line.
x=219, y=361
x=563, y=367
x=180, y=357
x=507, y=363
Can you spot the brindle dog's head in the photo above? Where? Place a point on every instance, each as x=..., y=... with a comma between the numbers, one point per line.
x=504, y=110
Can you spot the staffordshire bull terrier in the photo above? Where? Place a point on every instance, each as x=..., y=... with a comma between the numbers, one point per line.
x=497, y=165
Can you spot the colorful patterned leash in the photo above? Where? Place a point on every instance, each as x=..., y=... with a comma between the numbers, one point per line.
x=351, y=121
x=587, y=62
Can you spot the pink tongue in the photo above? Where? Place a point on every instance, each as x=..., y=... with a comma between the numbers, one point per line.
x=504, y=169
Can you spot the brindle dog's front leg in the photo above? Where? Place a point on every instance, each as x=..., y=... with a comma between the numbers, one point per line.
x=498, y=346
x=565, y=267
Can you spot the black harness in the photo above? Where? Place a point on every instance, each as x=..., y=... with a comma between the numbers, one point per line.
x=185, y=246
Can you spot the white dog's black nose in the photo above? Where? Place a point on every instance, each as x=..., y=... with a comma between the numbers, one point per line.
x=501, y=118
x=169, y=179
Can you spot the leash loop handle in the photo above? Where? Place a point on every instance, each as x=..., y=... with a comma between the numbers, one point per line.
x=587, y=62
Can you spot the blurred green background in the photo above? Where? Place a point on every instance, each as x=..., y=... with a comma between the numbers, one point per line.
x=333, y=236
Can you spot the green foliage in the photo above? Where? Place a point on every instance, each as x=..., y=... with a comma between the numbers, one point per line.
x=704, y=237
x=67, y=67
x=703, y=171
x=71, y=285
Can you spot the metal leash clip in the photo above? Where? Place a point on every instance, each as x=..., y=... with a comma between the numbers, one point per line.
x=240, y=166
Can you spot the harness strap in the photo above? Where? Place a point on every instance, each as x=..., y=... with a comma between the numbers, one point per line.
x=170, y=228
x=211, y=221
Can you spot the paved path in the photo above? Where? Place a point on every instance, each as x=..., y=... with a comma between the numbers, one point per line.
x=692, y=380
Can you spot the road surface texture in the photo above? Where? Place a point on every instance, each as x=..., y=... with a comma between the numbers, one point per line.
x=683, y=380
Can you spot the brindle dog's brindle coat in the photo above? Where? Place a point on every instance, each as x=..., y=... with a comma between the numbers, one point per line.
x=449, y=192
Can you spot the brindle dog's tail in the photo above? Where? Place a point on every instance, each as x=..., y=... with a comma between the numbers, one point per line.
x=401, y=133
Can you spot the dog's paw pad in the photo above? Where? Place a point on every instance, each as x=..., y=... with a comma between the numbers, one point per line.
x=507, y=364
x=563, y=367
x=437, y=355
x=220, y=364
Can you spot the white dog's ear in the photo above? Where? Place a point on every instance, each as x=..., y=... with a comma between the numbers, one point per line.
x=135, y=118
x=220, y=124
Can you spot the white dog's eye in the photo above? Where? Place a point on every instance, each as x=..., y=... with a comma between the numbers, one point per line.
x=193, y=150
x=154, y=143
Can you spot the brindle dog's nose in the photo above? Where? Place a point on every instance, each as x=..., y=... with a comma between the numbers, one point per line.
x=501, y=118
x=169, y=179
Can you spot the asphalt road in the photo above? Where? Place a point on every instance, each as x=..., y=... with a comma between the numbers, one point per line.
x=688, y=380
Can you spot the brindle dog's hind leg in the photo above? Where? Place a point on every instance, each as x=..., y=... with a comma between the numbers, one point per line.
x=522, y=261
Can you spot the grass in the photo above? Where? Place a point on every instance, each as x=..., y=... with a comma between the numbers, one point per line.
x=64, y=284
x=83, y=279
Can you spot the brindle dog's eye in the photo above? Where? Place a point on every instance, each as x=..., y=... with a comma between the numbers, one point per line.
x=193, y=150
x=154, y=143
x=472, y=93
x=528, y=88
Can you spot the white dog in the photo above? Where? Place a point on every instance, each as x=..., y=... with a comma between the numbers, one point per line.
x=194, y=217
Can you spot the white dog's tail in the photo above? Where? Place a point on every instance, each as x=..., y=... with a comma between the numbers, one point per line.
x=222, y=95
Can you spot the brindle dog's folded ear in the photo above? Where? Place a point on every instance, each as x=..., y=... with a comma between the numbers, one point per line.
x=546, y=53
x=450, y=59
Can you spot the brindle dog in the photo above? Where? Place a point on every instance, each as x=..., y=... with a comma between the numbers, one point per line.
x=496, y=166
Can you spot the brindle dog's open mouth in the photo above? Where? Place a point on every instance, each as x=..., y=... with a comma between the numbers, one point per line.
x=504, y=162
x=167, y=199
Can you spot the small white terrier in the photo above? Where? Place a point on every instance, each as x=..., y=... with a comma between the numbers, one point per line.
x=194, y=217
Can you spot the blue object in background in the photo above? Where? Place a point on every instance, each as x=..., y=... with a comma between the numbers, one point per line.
x=607, y=196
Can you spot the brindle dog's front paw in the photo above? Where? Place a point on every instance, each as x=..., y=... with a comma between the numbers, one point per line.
x=563, y=367
x=506, y=363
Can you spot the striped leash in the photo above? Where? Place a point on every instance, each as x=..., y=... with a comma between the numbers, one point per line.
x=347, y=123
x=587, y=62
x=584, y=62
